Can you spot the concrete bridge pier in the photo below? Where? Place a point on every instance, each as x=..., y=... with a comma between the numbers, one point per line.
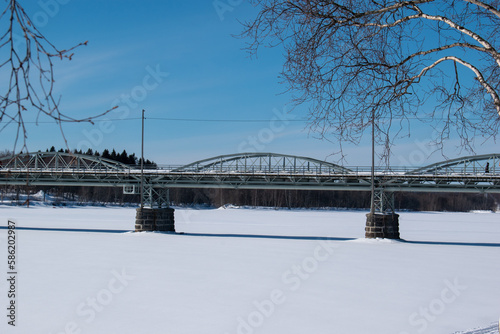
x=383, y=222
x=155, y=219
x=158, y=215
x=382, y=225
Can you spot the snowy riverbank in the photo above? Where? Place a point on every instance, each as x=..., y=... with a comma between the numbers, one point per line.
x=251, y=271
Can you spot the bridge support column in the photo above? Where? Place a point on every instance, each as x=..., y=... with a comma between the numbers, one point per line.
x=383, y=223
x=155, y=219
x=156, y=215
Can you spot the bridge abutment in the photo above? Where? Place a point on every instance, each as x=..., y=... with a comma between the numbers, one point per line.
x=155, y=219
x=382, y=225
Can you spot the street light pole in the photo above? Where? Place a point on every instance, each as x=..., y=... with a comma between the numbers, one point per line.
x=372, y=204
x=142, y=162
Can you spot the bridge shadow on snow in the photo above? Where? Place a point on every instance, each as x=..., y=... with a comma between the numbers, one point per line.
x=214, y=235
x=57, y=229
x=255, y=236
x=260, y=236
x=451, y=243
x=436, y=243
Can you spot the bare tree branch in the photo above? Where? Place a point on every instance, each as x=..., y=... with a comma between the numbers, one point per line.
x=346, y=59
x=486, y=6
x=479, y=77
x=30, y=68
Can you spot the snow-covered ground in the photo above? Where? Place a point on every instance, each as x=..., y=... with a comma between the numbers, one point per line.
x=241, y=270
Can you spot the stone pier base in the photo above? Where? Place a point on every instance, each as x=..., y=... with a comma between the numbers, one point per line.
x=382, y=226
x=148, y=219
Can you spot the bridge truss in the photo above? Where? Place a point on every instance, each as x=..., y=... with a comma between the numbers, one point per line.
x=251, y=171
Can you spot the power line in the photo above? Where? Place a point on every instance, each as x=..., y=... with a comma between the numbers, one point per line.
x=180, y=120
x=224, y=120
x=208, y=120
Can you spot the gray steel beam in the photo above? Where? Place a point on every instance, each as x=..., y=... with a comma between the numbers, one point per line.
x=60, y=169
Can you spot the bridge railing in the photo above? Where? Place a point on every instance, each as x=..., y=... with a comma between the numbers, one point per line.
x=254, y=170
x=72, y=165
x=458, y=170
x=352, y=171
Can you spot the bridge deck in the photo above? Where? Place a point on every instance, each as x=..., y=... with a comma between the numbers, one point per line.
x=359, y=180
x=252, y=171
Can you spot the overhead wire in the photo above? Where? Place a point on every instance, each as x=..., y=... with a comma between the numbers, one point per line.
x=215, y=120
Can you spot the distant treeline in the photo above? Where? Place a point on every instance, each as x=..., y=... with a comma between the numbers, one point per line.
x=334, y=199
x=273, y=198
x=123, y=157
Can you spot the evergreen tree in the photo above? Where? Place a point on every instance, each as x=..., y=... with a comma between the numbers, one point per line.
x=132, y=160
x=105, y=154
x=123, y=158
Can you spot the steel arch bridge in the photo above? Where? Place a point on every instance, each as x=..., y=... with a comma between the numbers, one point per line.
x=59, y=161
x=250, y=171
x=263, y=162
x=465, y=165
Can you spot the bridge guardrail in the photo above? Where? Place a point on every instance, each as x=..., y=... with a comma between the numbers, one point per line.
x=353, y=171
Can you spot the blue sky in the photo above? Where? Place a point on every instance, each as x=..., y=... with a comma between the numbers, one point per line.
x=179, y=60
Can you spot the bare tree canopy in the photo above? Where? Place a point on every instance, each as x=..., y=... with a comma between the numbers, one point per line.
x=27, y=69
x=435, y=60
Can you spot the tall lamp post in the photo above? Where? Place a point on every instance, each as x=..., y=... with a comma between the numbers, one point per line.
x=372, y=203
x=380, y=222
x=142, y=162
x=154, y=217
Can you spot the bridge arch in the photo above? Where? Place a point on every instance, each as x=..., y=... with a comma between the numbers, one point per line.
x=464, y=165
x=60, y=160
x=262, y=162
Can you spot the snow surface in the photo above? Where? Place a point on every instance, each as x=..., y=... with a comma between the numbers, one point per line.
x=242, y=270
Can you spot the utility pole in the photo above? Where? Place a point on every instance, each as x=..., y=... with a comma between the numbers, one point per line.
x=142, y=162
x=372, y=204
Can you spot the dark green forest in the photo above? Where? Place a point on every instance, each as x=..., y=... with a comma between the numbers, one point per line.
x=123, y=157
